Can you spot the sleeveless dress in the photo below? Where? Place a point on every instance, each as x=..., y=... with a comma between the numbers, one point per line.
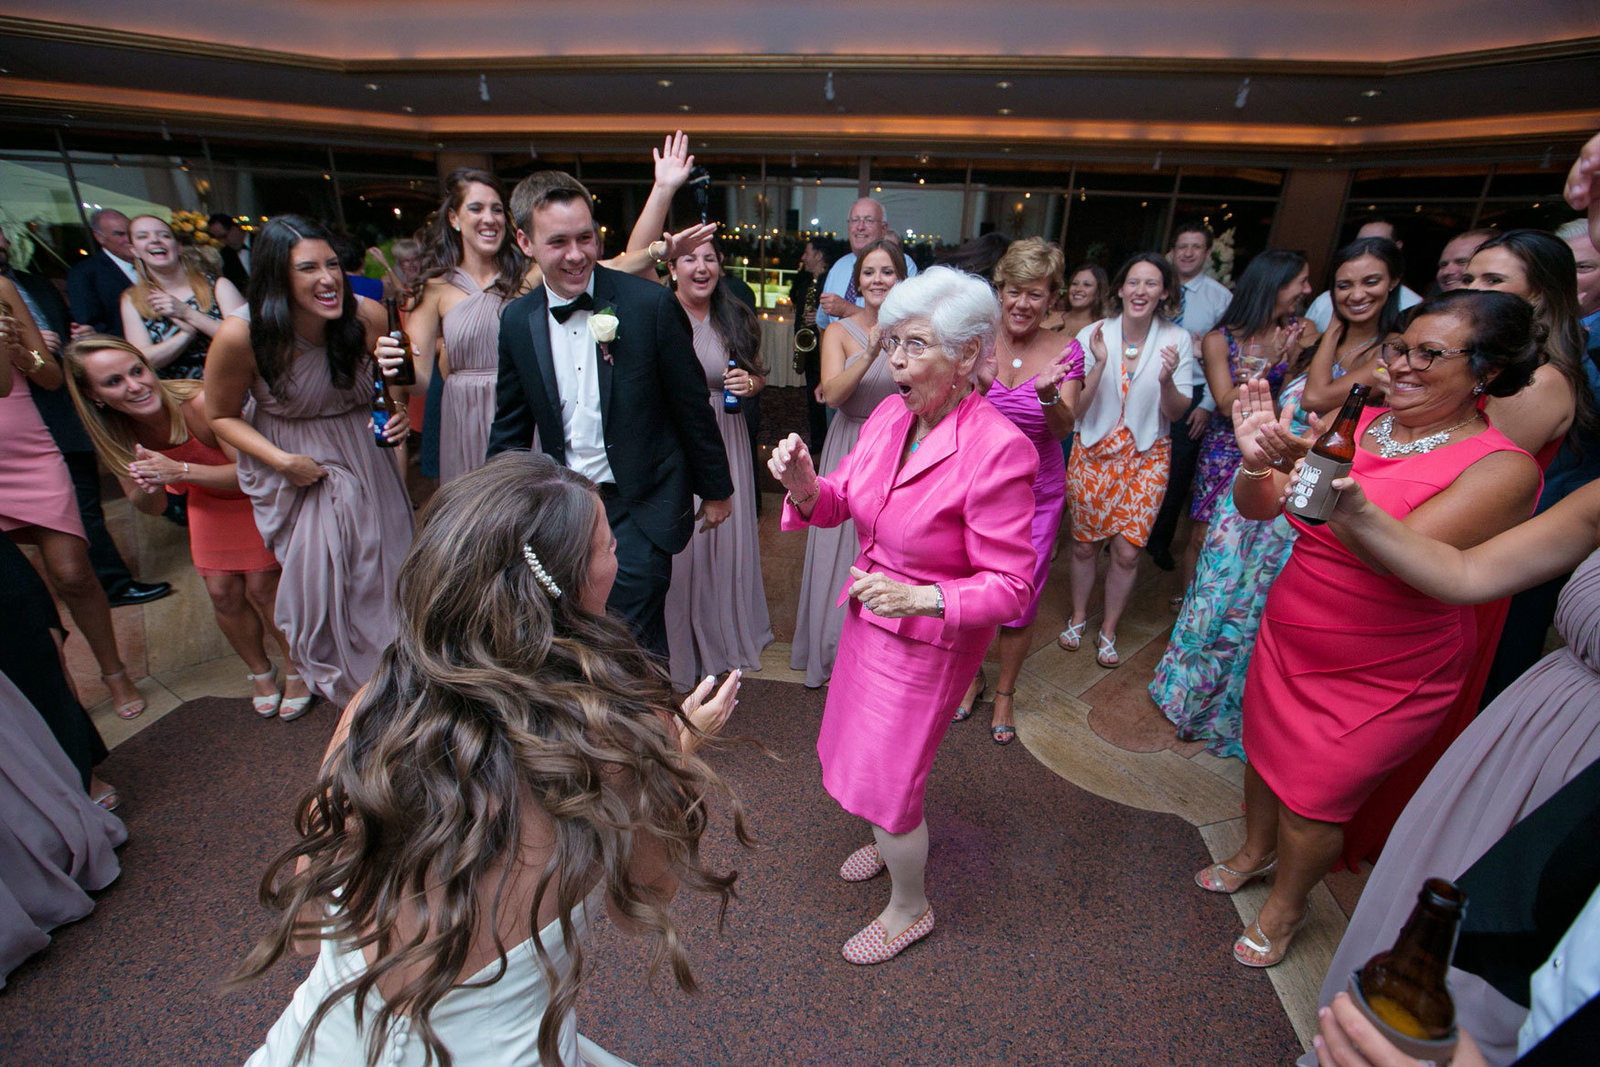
x=56, y=845
x=223, y=538
x=716, y=609
x=1199, y=683
x=1021, y=405
x=35, y=487
x=1538, y=735
x=495, y=1025
x=340, y=540
x=830, y=552
x=1354, y=671
x=191, y=362
x=472, y=340
x=1219, y=451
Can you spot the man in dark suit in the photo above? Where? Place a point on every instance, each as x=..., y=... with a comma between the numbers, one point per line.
x=55, y=408
x=631, y=412
x=95, y=286
x=235, y=254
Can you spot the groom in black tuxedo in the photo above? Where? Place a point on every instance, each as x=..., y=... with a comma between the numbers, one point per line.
x=631, y=413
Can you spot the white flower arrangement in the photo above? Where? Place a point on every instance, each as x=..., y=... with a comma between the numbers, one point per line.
x=1220, y=265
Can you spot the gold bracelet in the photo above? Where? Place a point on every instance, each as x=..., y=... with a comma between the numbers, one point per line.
x=1256, y=475
x=798, y=504
x=38, y=361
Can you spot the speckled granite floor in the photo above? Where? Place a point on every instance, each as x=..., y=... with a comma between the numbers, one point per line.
x=1065, y=932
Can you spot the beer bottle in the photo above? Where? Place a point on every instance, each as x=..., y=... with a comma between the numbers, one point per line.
x=1312, y=497
x=1403, y=990
x=730, y=403
x=384, y=407
x=406, y=374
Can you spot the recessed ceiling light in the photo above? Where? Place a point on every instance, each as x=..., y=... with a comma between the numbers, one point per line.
x=683, y=107
x=665, y=83
x=1002, y=85
x=1004, y=111
x=372, y=86
x=409, y=110
x=1372, y=94
x=1352, y=118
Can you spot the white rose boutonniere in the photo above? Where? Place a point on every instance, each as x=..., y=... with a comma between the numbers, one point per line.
x=603, y=328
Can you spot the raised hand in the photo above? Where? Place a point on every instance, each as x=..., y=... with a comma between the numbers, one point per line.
x=673, y=161
x=790, y=463
x=708, y=712
x=687, y=240
x=1169, y=363
x=1253, y=410
x=1097, y=342
x=1281, y=444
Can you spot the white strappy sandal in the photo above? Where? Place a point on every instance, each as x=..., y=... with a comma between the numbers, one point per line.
x=1072, y=637
x=266, y=707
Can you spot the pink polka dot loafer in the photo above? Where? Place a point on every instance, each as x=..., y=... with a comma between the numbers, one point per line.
x=870, y=945
x=862, y=864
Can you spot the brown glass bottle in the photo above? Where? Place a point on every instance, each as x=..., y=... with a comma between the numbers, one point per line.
x=407, y=372
x=1404, y=988
x=1312, y=497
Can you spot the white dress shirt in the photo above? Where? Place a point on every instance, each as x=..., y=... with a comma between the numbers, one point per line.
x=1141, y=412
x=1204, y=301
x=1569, y=979
x=1321, y=310
x=577, y=357
x=839, y=276
x=124, y=266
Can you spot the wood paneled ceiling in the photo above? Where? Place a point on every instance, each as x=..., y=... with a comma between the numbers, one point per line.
x=1313, y=80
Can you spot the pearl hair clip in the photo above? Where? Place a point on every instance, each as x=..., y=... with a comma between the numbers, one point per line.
x=541, y=575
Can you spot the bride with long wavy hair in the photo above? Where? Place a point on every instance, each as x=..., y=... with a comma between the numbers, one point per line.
x=516, y=758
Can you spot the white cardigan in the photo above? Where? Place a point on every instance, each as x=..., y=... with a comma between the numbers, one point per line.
x=1142, y=413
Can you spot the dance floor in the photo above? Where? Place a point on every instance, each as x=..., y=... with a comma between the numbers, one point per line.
x=1068, y=931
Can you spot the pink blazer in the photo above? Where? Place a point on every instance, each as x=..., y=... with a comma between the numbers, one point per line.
x=959, y=514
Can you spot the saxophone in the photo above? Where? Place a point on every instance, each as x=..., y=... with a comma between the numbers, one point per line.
x=805, y=337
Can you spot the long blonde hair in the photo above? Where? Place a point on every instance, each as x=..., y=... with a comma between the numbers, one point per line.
x=203, y=285
x=111, y=431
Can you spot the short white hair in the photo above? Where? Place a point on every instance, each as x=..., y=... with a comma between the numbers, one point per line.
x=959, y=308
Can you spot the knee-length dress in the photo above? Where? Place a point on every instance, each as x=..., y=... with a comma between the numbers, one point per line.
x=1199, y=683
x=472, y=343
x=1354, y=671
x=1021, y=405
x=829, y=552
x=1538, y=735
x=35, y=486
x=223, y=538
x=958, y=514
x=1113, y=487
x=1219, y=451
x=340, y=540
x=716, y=609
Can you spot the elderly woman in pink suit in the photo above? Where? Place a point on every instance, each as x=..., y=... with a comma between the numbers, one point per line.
x=940, y=487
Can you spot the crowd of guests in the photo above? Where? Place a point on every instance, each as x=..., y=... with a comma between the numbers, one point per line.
x=526, y=670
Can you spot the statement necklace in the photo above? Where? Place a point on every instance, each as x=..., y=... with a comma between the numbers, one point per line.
x=1389, y=448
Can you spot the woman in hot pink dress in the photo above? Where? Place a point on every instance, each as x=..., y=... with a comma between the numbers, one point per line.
x=1036, y=385
x=940, y=486
x=1353, y=669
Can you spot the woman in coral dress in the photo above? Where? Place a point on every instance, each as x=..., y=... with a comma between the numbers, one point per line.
x=153, y=434
x=1354, y=670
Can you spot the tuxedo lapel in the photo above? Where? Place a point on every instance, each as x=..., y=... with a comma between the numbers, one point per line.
x=539, y=331
x=605, y=299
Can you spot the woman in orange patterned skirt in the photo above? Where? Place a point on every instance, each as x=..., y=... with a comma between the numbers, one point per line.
x=1140, y=373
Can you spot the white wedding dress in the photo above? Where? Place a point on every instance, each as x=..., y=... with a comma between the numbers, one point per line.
x=489, y=1026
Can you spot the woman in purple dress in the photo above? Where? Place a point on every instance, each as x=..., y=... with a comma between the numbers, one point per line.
x=1036, y=384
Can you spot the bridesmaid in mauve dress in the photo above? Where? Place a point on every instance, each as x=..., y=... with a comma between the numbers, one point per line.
x=329, y=502
x=472, y=363
x=716, y=609
x=854, y=382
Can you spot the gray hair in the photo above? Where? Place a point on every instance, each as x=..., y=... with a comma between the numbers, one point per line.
x=96, y=218
x=1573, y=229
x=959, y=308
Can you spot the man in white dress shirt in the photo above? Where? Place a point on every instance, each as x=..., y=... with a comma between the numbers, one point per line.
x=1202, y=301
x=94, y=287
x=839, y=297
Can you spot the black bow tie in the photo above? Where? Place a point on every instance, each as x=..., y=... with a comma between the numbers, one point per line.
x=585, y=302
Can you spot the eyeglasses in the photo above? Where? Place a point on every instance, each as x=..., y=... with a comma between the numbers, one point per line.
x=863, y=220
x=1419, y=358
x=914, y=347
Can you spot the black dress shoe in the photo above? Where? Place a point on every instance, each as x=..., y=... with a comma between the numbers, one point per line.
x=139, y=593
x=1162, y=556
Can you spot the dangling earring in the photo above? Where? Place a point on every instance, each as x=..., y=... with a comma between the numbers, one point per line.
x=1477, y=390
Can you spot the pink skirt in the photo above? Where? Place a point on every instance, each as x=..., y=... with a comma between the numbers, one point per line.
x=889, y=703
